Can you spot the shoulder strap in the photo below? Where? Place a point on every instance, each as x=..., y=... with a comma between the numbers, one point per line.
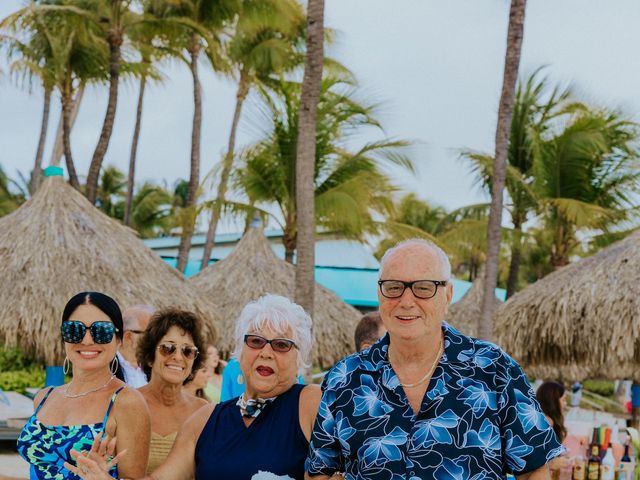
x=43, y=400
x=113, y=400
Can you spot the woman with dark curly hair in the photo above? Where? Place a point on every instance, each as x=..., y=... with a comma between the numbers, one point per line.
x=169, y=352
x=552, y=400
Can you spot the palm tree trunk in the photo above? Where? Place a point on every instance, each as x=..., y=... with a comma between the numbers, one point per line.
x=134, y=152
x=243, y=90
x=289, y=242
x=505, y=112
x=306, y=154
x=194, y=177
x=516, y=258
x=36, y=175
x=58, y=147
x=115, y=42
x=66, y=136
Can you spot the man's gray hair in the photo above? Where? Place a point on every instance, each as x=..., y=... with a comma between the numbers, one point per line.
x=421, y=242
x=130, y=316
x=278, y=314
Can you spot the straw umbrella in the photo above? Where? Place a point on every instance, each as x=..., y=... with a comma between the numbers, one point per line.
x=464, y=314
x=58, y=244
x=253, y=270
x=585, y=316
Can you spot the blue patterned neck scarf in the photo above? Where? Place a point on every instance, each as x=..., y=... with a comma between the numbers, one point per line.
x=254, y=406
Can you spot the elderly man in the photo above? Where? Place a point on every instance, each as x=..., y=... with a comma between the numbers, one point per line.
x=426, y=401
x=135, y=319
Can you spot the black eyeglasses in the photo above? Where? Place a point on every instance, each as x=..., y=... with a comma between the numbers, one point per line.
x=277, y=344
x=188, y=351
x=423, y=289
x=73, y=331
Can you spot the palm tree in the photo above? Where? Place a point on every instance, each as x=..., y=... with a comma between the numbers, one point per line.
x=75, y=56
x=142, y=38
x=265, y=42
x=306, y=155
x=505, y=111
x=534, y=110
x=192, y=27
x=32, y=59
x=586, y=178
x=110, y=20
x=349, y=186
x=110, y=190
x=12, y=194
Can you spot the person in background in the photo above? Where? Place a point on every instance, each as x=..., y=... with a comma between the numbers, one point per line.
x=135, y=319
x=216, y=366
x=427, y=401
x=201, y=377
x=169, y=351
x=368, y=331
x=553, y=401
x=93, y=403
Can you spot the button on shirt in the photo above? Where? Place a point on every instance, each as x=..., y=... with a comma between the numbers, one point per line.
x=478, y=419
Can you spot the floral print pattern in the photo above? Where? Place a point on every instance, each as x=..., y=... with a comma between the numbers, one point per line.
x=479, y=418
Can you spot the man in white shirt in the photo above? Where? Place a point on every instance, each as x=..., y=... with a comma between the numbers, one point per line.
x=135, y=319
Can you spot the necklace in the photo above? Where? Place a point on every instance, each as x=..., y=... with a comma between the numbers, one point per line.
x=77, y=395
x=430, y=372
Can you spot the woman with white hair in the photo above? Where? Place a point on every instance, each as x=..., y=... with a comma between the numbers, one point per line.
x=265, y=432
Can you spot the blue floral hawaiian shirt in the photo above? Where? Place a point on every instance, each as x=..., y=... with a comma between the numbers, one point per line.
x=479, y=418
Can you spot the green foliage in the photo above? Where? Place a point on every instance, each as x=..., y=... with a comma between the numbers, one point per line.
x=601, y=387
x=18, y=372
x=20, y=380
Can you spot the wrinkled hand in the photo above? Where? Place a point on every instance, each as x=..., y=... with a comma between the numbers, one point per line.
x=95, y=463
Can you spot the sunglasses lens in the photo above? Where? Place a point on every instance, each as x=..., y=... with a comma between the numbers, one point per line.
x=167, y=349
x=73, y=331
x=281, y=344
x=189, y=352
x=255, y=341
x=102, y=332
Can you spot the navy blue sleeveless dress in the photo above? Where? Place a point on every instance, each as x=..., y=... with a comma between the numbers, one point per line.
x=273, y=443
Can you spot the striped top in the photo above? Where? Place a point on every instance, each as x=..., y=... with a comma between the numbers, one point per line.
x=159, y=449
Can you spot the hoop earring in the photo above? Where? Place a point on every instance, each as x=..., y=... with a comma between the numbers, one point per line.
x=66, y=365
x=115, y=363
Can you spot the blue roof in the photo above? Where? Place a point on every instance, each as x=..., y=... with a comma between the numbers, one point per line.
x=355, y=286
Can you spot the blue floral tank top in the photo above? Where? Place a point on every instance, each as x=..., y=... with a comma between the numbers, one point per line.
x=46, y=447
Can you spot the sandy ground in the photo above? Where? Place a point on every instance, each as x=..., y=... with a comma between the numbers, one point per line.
x=11, y=464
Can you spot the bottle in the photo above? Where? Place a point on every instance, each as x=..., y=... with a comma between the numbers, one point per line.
x=579, y=468
x=608, y=466
x=626, y=464
x=593, y=461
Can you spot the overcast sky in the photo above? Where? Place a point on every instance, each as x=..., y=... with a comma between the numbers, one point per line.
x=436, y=67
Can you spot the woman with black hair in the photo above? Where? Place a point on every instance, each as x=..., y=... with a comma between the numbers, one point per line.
x=93, y=403
x=552, y=400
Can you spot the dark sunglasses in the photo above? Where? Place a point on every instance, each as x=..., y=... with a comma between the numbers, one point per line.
x=277, y=344
x=73, y=331
x=188, y=351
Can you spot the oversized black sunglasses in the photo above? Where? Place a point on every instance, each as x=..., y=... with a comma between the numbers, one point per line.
x=277, y=344
x=73, y=331
x=188, y=351
x=423, y=289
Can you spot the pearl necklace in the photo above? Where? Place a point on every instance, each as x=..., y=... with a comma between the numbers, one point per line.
x=431, y=370
x=77, y=395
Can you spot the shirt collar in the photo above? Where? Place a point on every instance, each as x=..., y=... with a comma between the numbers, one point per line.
x=458, y=348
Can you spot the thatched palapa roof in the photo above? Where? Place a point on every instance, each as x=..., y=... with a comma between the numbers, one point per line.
x=465, y=313
x=585, y=316
x=253, y=270
x=56, y=245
